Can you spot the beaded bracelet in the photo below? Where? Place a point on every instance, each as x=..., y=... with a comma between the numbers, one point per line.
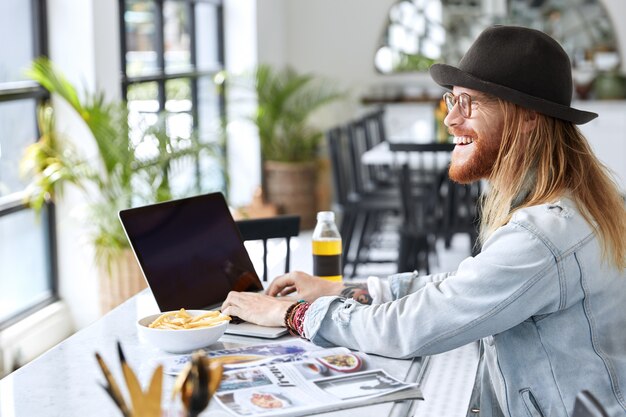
x=288, y=314
x=294, y=317
x=298, y=319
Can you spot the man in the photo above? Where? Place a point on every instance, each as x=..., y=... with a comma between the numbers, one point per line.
x=547, y=293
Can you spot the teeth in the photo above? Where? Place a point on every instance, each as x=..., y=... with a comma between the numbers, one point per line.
x=463, y=140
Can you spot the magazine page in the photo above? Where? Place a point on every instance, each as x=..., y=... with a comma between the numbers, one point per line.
x=321, y=380
x=252, y=355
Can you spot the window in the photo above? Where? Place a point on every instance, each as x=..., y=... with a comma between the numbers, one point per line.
x=421, y=32
x=172, y=57
x=27, y=241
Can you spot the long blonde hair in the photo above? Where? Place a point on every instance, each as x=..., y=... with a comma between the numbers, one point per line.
x=539, y=166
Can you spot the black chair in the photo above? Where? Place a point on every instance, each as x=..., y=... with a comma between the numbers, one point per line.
x=362, y=204
x=456, y=205
x=420, y=225
x=460, y=210
x=344, y=196
x=373, y=126
x=587, y=405
x=263, y=229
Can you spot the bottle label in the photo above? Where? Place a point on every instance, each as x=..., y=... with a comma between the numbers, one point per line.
x=327, y=265
x=327, y=259
x=327, y=247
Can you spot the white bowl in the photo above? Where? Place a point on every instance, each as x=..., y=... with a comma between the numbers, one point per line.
x=183, y=340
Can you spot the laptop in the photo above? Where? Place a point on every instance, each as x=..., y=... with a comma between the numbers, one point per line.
x=192, y=255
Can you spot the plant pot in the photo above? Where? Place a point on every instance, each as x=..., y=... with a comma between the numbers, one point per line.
x=119, y=281
x=291, y=186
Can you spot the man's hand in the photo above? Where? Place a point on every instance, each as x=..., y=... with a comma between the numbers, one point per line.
x=308, y=287
x=256, y=308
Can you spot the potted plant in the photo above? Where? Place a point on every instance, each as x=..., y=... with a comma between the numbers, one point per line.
x=289, y=143
x=132, y=166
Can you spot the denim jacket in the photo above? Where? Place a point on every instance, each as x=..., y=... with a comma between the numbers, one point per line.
x=550, y=312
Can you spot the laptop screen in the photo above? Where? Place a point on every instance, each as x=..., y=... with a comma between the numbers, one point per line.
x=190, y=251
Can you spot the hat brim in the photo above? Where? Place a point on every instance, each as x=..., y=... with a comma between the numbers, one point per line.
x=448, y=76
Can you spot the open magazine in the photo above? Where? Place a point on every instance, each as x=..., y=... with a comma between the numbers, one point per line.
x=295, y=378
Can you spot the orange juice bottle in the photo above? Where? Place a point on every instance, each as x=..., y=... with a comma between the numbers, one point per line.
x=327, y=248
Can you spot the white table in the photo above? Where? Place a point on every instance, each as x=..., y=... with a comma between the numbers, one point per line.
x=65, y=380
x=382, y=155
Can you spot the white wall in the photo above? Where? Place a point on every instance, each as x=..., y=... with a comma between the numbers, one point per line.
x=83, y=38
x=244, y=166
x=333, y=39
x=336, y=39
x=272, y=32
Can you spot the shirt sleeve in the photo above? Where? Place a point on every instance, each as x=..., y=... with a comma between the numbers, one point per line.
x=513, y=278
x=379, y=290
x=398, y=285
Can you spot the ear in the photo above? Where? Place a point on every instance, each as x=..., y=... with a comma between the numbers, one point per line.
x=530, y=121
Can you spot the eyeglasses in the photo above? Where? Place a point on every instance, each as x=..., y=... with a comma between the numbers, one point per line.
x=464, y=101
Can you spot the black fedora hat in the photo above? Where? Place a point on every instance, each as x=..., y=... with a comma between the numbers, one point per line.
x=520, y=65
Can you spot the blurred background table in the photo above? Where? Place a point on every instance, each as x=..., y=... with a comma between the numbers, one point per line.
x=418, y=154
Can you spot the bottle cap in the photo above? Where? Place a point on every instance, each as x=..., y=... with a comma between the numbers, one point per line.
x=325, y=216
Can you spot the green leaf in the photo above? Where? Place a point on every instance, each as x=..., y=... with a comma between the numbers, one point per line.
x=119, y=176
x=286, y=101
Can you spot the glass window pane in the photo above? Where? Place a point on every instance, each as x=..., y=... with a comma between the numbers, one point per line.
x=16, y=24
x=22, y=284
x=178, y=95
x=141, y=55
x=207, y=36
x=188, y=173
x=183, y=172
x=208, y=108
x=143, y=106
x=212, y=176
x=209, y=127
x=143, y=97
x=176, y=36
x=183, y=176
x=179, y=125
x=17, y=131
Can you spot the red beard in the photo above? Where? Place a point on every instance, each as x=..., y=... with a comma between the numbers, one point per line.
x=477, y=164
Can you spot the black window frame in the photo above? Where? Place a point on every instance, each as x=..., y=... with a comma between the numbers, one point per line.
x=13, y=203
x=161, y=75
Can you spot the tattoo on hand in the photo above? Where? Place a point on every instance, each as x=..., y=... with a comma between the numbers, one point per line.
x=357, y=291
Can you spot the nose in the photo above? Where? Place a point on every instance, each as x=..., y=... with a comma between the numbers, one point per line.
x=453, y=118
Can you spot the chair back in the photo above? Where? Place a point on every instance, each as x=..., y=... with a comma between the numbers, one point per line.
x=375, y=127
x=419, y=223
x=357, y=145
x=346, y=145
x=375, y=134
x=416, y=201
x=421, y=174
x=340, y=162
x=459, y=204
x=270, y=228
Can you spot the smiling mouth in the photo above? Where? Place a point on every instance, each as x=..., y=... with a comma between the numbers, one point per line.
x=463, y=140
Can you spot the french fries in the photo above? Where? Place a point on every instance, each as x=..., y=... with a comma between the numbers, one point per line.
x=181, y=319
